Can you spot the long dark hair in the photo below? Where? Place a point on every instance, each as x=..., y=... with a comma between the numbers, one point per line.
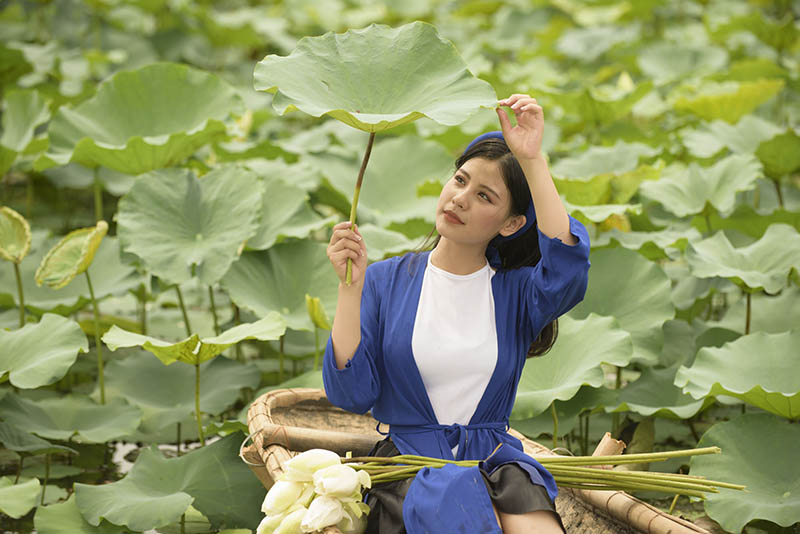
x=523, y=250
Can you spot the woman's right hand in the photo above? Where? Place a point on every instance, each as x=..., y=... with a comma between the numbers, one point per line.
x=348, y=244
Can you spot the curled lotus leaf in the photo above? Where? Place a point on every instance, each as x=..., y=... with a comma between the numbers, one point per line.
x=18, y=499
x=194, y=350
x=780, y=155
x=71, y=256
x=15, y=235
x=142, y=120
x=764, y=264
x=375, y=78
x=23, y=112
x=65, y=518
x=744, y=137
x=755, y=368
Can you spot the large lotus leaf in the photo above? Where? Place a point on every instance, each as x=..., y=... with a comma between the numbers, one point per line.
x=71, y=256
x=607, y=188
x=597, y=106
x=142, y=120
x=39, y=354
x=16, y=439
x=279, y=278
x=729, y=101
x=780, y=34
x=635, y=291
x=375, y=78
x=157, y=490
x=15, y=235
x=574, y=361
x=757, y=368
x=617, y=159
x=18, y=499
x=759, y=451
x=748, y=221
x=652, y=245
x=13, y=63
x=654, y=393
x=765, y=264
x=297, y=174
x=194, y=350
x=23, y=111
x=166, y=394
x=768, y=313
x=183, y=226
x=76, y=176
x=665, y=62
x=687, y=192
x=65, y=518
x=73, y=415
x=744, y=137
x=390, y=190
x=588, y=400
x=600, y=212
x=285, y=212
x=588, y=44
x=780, y=155
x=382, y=243
x=109, y=276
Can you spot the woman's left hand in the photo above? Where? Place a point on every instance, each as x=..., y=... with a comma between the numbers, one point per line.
x=524, y=139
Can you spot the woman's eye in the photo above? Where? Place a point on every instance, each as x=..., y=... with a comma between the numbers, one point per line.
x=459, y=179
x=484, y=196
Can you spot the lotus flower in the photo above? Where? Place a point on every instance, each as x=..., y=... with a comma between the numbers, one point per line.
x=302, y=467
x=323, y=512
x=281, y=496
x=291, y=523
x=337, y=481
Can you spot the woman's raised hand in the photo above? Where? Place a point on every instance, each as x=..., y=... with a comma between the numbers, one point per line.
x=346, y=243
x=524, y=139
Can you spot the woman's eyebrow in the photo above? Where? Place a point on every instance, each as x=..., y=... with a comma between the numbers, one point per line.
x=492, y=191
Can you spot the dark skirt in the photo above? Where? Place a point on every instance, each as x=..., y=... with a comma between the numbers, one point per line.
x=509, y=486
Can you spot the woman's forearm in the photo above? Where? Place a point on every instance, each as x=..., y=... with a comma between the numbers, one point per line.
x=346, y=329
x=551, y=216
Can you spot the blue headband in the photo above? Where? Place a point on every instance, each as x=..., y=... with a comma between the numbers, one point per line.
x=530, y=213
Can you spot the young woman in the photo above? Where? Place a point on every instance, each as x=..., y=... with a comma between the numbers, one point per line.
x=434, y=342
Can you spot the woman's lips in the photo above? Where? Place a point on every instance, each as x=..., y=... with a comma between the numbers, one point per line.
x=452, y=217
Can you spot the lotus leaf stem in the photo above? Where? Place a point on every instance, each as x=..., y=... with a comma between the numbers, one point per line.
x=213, y=309
x=21, y=295
x=747, y=315
x=183, y=311
x=46, y=475
x=97, y=343
x=555, y=423
x=354, y=206
x=19, y=467
x=237, y=318
x=197, y=404
x=780, y=194
x=672, y=505
x=143, y=317
x=280, y=358
x=29, y=197
x=178, y=441
x=98, y=195
x=316, y=347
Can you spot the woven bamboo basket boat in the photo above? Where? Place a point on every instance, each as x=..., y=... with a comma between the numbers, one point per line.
x=288, y=421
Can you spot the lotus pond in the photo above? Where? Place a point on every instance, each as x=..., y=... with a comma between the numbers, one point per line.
x=171, y=171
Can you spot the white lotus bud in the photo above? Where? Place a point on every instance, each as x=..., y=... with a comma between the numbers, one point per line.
x=364, y=478
x=336, y=481
x=323, y=512
x=269, y=524
x=282, y=495
x=302, y=467
x=291, y=523
x=353, y=524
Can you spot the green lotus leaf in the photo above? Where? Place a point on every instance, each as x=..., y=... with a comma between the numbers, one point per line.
x=765, y=264
x=652, y=245
x=382, y=243
x=15, y=439
x=598, y=106
x=65, y=518
x=780, y=155
x=642, y=312
x=15, y=235
x=285, y=212
x=166, y=394
x=71, y=256
x=772, y=477
x=779, y=34
x=73, y=415
x=620, y=158
x=748, y=221
x=772, y=314
x=194, y=350
x=156, y=491
x=572, y=362
x=109, y=276
x=279, y=278
x=76, y=176
x=14, y=64
x=18, y=499
x=588, y=44
x=685, y=192
x=588, y=399
x=729, y=101
x=654, y=393
x=606, y=188
x=39, y=354
x=744, y=137
x=601, y=212
x=665, y=62
x=141, y=120
x=390, y=175
x=249, y=27
x=182, y=226
x=23, y=112
x=375, y=78
x=770, y=381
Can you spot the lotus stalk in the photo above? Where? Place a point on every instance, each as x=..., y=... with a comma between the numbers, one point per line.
x=555, y=424
x=97, y=342
x=98, y=195
x=197, y=412
x=21, y=294
x=356, y=193
x=213, y=309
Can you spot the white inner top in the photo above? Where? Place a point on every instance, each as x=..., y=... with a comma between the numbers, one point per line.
x=455, y=340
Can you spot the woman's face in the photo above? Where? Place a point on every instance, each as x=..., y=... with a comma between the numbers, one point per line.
x=475, y=204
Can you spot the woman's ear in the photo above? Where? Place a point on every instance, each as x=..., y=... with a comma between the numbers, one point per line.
x=513, y=224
